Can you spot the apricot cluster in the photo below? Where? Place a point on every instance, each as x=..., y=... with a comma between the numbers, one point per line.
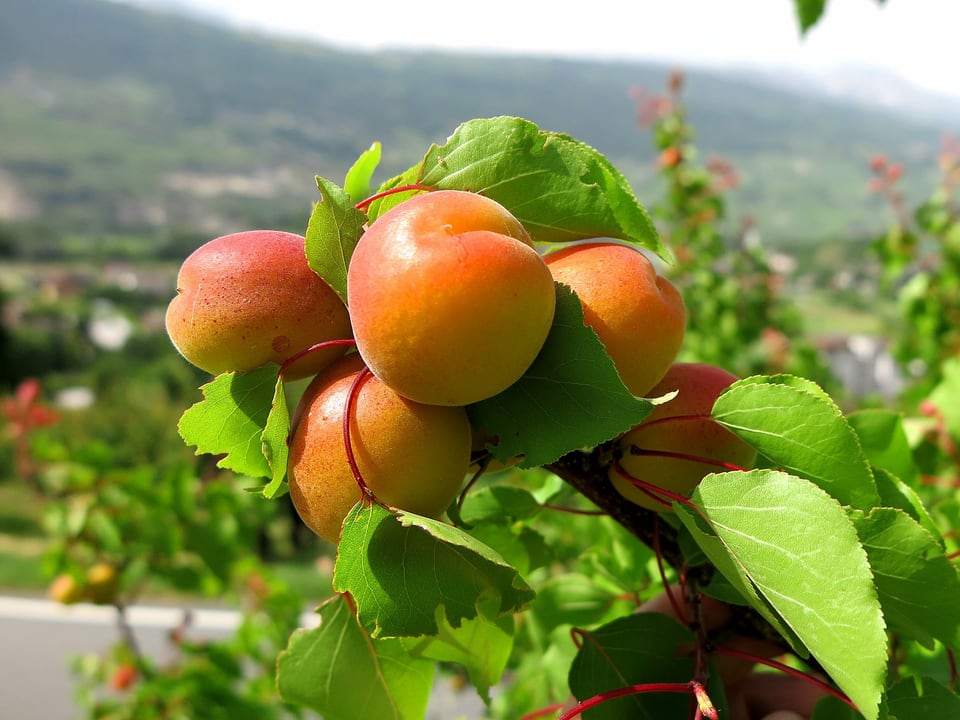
x=449, y=304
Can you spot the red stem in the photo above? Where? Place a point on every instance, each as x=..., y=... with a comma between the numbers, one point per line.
x=634, y=450
x=392, y=191
x=580, y=707
x=362, y=375
x=771, y=663
x=314, y=348
x=663, y=575
x=659, y=494
x=543, y=712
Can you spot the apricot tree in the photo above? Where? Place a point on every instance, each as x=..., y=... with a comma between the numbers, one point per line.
x=814, y=537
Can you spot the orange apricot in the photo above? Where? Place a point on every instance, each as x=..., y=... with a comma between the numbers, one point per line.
x=410, y=455
x=679, y=442
x=638, y=314
x=450, y=302
x=250, y=298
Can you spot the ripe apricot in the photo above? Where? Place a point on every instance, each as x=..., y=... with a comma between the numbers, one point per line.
x=638, y=314
x=123, y=677
x=449, y=300
x=683, y=426
x=250, y=298
x=412, y=456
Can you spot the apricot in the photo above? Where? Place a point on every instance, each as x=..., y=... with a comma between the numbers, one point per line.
x=638, y=315
x=65, y=589
x=412, y=456
x=250, y=298
x=449, y=300
x=683, y=426
x=101, y=583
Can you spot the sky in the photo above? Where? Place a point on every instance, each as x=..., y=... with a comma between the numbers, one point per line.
x=915, y=39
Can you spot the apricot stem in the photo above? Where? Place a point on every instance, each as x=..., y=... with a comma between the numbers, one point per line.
x=674, y=604
x=368, y=495
x=662, y=496
x=391, y=191
x=314, y=348
x=685, y=687
x=543, y=712
x=634, y=450
x=457, y=515
x=776, y=665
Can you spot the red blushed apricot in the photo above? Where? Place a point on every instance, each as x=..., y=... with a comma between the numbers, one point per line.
x=411, y=456
x=450, y=302
x=250, y=298
x=638, y=315
x=682, y=426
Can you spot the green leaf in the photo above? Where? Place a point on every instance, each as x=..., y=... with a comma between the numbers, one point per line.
x=571, y=397
x=499, y=501
x=884, y=441
x=741, y=585
x=632, y=650
x=797, y=546
x=482, y=645
x=802, y=431
x=921, y=699
x=400, y=569
x=896, y=494
x=558, y=187
x=832, y=708
x=357, y=183
x=919, y=587
x=334, y=228
x=231, y=418
x=579, y=600
x=809, y=13
x=340, y=672
x=521, y=546
x=274, y=438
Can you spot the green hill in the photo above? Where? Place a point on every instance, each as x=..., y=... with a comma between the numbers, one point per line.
x=123, y=122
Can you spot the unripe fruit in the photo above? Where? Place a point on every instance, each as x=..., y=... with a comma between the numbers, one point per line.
x=638, y=315
x=682, y=425
x=250, y=298
x=411, y=456
x=101, y=583
x=449, y=300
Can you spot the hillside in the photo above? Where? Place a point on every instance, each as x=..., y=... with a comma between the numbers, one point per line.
x=124, y=121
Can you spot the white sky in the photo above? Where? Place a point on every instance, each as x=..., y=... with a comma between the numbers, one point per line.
x=917, y=39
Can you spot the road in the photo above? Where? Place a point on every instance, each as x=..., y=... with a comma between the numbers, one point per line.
x=40, y=637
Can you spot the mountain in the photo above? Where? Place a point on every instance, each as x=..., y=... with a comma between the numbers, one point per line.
x=162, y=128
x=871, y=87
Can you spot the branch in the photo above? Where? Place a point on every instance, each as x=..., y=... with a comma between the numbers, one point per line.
x=587, y=472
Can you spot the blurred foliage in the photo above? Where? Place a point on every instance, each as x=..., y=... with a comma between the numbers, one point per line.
x=117, y=529
x=920, y=258
x=738, y=314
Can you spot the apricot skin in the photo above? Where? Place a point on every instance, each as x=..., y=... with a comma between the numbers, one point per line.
x=412, y=456
x=681, y=425
x=450, y=302
x=250, y=298
x=638, y=315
